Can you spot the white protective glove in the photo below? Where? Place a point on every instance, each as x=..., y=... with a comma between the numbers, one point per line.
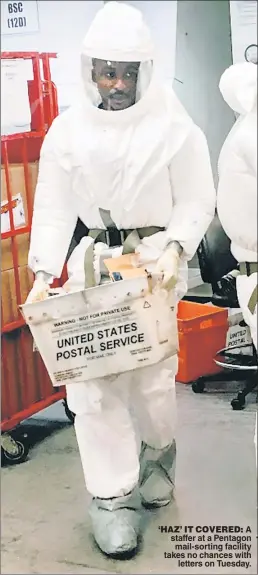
x=168, y=265
x=40, y=289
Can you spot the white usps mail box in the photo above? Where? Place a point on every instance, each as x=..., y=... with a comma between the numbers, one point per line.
x=237, y=335
x=109, y=329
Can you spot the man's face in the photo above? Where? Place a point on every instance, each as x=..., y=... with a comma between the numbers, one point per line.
x=116, y=82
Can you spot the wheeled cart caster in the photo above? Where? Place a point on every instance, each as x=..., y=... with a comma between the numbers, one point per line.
x=198, y=386
x=68, y=412
x=13, y=451
x=238, y=403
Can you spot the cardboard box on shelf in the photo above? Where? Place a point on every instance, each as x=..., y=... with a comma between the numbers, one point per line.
x=17, y=182
x=19, y=209
x=9, y=297
x=22, y=243
x=24, y=380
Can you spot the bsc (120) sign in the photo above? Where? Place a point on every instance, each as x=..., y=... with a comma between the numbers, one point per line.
x=19, y=17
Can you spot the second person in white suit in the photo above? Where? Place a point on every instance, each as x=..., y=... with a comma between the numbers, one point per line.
x=237, y=190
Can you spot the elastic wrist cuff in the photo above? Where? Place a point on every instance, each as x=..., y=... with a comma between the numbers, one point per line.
x=176, y=245
x=45, y=277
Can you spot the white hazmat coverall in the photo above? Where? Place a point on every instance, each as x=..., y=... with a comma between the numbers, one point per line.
x=237, y=190
x=148, y=165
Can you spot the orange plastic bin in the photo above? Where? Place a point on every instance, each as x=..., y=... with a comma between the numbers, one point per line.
x=202, y=331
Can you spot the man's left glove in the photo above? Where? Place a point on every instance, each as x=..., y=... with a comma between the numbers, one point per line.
x=168, y=265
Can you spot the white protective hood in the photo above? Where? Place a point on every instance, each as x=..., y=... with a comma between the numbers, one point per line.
x=237, y=190
x=238, y=86
x=118, y=33
x=107, y=39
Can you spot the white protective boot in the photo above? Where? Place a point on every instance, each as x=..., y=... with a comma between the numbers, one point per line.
x=115, y=524
x=157, y=475
x=110, y=461
x=155, y=403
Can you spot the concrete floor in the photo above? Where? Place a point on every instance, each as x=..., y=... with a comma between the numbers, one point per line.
x=45, y=527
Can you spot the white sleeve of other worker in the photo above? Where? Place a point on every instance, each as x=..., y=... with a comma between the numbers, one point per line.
x=54, y=216
x=193, y=192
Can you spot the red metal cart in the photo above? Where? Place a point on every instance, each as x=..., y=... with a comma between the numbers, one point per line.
x=26, y=386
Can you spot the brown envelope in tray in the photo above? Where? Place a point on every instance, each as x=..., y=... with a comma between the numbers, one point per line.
x=126, y=265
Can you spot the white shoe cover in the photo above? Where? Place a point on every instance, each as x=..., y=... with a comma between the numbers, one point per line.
x=115, y=523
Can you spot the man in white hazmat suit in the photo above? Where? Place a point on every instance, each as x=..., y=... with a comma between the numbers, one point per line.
x=237, y=190
x=127, y=148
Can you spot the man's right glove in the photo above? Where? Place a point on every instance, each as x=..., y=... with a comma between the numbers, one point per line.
x=40, y=288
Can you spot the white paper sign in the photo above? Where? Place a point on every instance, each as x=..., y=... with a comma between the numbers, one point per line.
x=18, y=214
x=102, y=331
x=19, y=17
x=243, y=16
x=15, y=106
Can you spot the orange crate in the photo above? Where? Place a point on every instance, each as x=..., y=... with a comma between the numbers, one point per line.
x=202, y=331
